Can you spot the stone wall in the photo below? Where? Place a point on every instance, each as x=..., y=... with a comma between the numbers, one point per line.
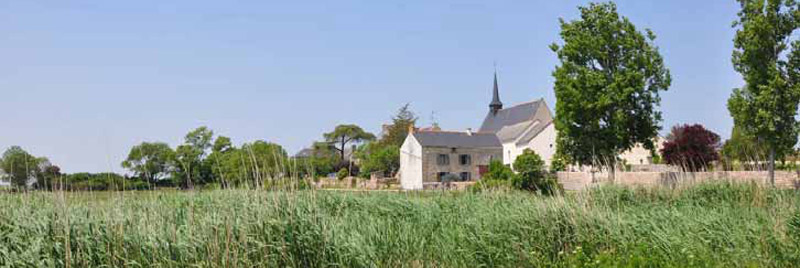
x=581, y=180
x=479, y=157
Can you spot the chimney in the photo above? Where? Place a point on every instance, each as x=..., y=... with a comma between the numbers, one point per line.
x=410, y=129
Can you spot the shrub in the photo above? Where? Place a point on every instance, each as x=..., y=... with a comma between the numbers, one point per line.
x=558, y=164
x=498, y=176
x=692, y=147
x=483, y=185
x=498, y=171
x=531, y=174
x=343, y=173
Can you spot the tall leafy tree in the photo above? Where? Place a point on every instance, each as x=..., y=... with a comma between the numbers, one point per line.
x=149, y=161
x=376, y=157
x=220, y=152
x=189, y=165
x=383, y=156
x=322, y=160
x=266, y=159
x=200, y=139
x=186, y=164
x=607, y=86
x=766, y=106
x=20, y=166
x=222, y=144
x=47, y=174
x=344, y=135
x=743, y=148
x=397, y=132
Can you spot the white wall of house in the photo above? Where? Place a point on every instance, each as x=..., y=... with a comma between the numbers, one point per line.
x=510, y=152
x=544, y=144
x=411, y=164
x=638, y=155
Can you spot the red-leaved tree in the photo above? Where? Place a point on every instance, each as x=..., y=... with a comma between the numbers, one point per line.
x=692, y=147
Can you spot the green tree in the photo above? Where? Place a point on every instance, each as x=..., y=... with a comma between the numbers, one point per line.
x=766, y=106
x=186, y=165
x=343, y=135
x=149, y=161
x=397, y=132
x=607, y=86
x=743, y=148
x=222, y=144
x=323, y=160
x=47, y=175
x=20, y=166
x=221, y=151
x=189, y=165
x=266, y=160
x=376, y=157
x=200, y=139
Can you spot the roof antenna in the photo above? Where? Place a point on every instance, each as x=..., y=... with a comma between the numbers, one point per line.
x=434, y=122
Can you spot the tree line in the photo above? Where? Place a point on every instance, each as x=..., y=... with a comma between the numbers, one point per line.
x=208, y=160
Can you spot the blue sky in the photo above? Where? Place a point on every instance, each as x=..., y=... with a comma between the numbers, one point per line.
x=83, y=81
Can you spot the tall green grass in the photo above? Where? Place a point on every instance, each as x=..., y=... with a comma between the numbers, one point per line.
x=717, y=224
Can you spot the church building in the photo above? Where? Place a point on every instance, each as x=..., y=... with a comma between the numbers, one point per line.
x=527, y=125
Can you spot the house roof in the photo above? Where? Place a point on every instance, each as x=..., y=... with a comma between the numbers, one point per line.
x=457, y=139
x=514, y=122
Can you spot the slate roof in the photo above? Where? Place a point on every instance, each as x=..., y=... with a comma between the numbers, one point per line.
x=510, y=116
x=513, y=122
x=457, y=139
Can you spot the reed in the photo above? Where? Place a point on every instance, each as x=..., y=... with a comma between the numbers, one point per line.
x=710, y=224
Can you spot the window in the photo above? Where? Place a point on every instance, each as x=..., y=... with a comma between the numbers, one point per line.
x=465, y=159
x=443, y=160
x=466, y=176
x=440, y=175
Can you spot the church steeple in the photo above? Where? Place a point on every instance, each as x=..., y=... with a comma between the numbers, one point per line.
x=495, y=105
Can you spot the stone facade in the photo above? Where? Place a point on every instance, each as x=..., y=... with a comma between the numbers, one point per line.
x=426, y=157
x=478, y=157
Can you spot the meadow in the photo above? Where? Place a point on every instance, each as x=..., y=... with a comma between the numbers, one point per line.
x=712, y=224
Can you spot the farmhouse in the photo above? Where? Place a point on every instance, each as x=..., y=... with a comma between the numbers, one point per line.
x=426, y=157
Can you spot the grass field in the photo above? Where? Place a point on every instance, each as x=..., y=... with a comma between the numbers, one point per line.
x=718, y=224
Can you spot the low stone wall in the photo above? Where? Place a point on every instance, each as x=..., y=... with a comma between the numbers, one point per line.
x=456, y=185
x=581, y=180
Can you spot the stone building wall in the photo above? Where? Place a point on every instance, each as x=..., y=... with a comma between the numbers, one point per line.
x=479, y=157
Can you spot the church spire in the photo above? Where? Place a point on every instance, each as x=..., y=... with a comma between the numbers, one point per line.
x=495, y=105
